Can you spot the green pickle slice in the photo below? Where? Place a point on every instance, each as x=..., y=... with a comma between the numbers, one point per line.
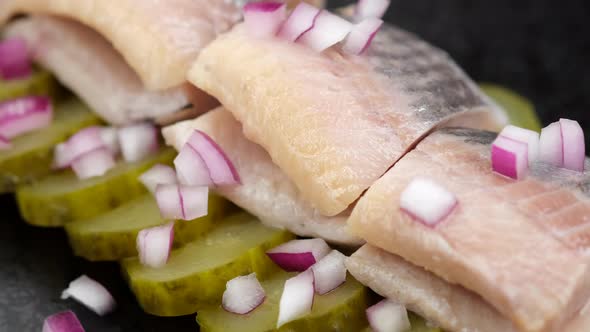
x=41, y=83
x=520, y=111
x=196, y=274
x=343, y=309
x=32, y=154
x=112, y=236
x=61, y=198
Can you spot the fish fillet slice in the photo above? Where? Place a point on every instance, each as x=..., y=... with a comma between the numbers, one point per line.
x=265, y=190
x=335, y=123
x=489, y=244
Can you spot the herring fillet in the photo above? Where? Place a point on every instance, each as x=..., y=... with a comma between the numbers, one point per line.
x=495, y=243
x=335, y=123
x=265, y=190
x=158, y=39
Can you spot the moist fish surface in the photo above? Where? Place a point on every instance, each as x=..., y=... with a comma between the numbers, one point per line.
x=265, y=191
x=335, y=123
x=521, y=245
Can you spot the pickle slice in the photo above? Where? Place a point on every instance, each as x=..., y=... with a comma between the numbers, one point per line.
x=32, y=154
x=343, y=309
x=196, y=274
x=112, y=236
x=520, y=111
x=41, y=83
x=61, y=198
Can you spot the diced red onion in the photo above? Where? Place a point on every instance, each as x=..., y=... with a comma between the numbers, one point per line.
x=110, y=137
x=574, y=148
x=5, y=143
x=362, y=35
x=65, y=321
x=329, y=29
x=85, y=140
x=427, y=201
x=158, y=174
x=182, y=202
x=23, y=115
x=243, y=294
x=191, y=168
x=510, y=157
x=529, y=137
x=388, y=316
x=15, y=59
x=169, y=202
x=297, y=298
x=138, y=141
x=221, y=170
x=263, y=19
x=371, y=8
x=301, y=20
x=299, y=255
x=154, y=245
x=91, y=294
x=329, y=272
x=551, y=145
x=93, y=163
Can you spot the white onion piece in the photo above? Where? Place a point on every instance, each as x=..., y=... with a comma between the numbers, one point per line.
x=551, y=145
x=154, y=245
x=65, y=321
x=297, y=298
x=22, y=115
x=329, y=272
x=388, y=316
x=243, y=294
x=574, y=148
x=138, y=141
x=263, y=19
x=221, y=170
x=182, y=202
x=158, y=174
x=510, y=157
x=191, y=168
x=15, y=59
x=298, y=255
x=427, y=201
x=301, y=20
x=329, y=29
x=529, y=137
x=371, y=8
x=91, y=294
x=5, y=143
x=93, y=163
x=362, y=35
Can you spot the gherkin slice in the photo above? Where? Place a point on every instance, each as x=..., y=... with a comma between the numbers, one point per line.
x=61, y=198
x=31, y=154
x=41, y=83
x=520, y=110
x=196, y=274
x=112, y=236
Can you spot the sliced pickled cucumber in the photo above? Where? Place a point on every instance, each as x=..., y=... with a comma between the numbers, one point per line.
x=112, y=236
x=40, y=83
x=520, y=111
x=342, y=310
x=61, y=198
x=196, y=274
x=32, y=154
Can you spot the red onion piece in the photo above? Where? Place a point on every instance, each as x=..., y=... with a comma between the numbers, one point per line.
x=329, y=272
x=110, y=137
x=65, y=321
x=329, y=29
x=526, y=136
x=297, y=298
x=371, y=8
x=93, y=163
x=138, y=141
x=243, y=294
x=263, y=19
x=15, y=59
x=388, y=316
x=510, y=157
x=191, y=168
x=158, y=174
x=182, y=202
x=574, y=148
x=154, y=245
x=83, y=141
x=427, y=201
x=5, y=143
x=23, y=115
x=299, y=255
x=91, y=294
x=169, y=202
x=301, y=20
x=551, y=145
x=362, y=35
x=221, y=170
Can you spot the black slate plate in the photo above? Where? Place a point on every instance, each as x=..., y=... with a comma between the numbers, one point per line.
x=537, y=48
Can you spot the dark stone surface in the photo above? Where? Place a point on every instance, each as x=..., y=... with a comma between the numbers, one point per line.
x=538, y=48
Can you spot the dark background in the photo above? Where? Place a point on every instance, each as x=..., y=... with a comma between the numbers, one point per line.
x=538, y=48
